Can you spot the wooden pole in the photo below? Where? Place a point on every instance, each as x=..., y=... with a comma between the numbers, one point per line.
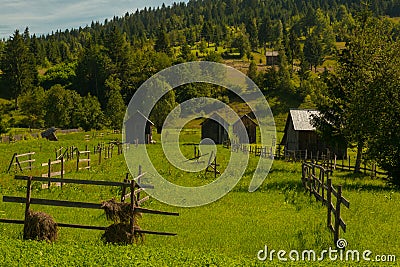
x=329, y=203
x=139, y=173
x=62, y=170
x=100, y=155
x=337, y=214
x=49, y=174
x=28, y=203
x=132, y=219
x=77, y=160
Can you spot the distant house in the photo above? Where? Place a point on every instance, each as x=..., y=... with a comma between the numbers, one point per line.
x=271, y=58
x=301, y=135
x=215, y=128
x=251, y=130
x=134, y=131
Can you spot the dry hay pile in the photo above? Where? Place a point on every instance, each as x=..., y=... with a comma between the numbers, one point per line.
x=120, y=232
x=40, y=226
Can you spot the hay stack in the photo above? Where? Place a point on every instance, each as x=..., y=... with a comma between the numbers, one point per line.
x=40, y=226
x=120, y=232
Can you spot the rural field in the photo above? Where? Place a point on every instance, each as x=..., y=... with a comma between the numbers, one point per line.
x=228, y=232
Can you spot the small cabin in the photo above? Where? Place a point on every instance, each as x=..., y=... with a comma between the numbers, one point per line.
x=271, y=58
x=50, y=134
x=215, y=128
x=134, y=132
x=301, y=135
x=251, y=130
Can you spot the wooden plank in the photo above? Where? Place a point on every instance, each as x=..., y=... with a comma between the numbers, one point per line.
x=342, y=224
x=138, y=191
x=26, y=154
x=345, y=202
x=84, y=152
x=84, y=168
x=143, y=200
x=50, y=202
x=84, y=160
x=51, y=163
x=71, y=181
x=72, y=204
x=27, y=161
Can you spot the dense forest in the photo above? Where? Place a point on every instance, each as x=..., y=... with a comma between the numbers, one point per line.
x=85, y=77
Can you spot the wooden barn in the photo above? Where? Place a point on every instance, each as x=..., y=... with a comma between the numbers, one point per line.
x=215, y=128
x=301, y=135
x=134, y=129
x=50, y=134
x=251, y=129
x=271, y=58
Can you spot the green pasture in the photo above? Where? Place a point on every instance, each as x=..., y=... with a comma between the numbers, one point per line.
x=228, y=232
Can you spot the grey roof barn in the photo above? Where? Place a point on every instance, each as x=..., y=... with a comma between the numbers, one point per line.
x=300, y=134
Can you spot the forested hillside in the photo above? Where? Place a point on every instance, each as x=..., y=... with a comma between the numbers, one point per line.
x=85, y=77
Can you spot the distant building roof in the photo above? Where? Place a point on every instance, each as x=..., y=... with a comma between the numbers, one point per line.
x=302, y=119
x=271, y=53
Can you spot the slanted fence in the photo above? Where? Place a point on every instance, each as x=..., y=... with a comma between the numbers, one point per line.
x=315, y=179
x=133, y=195
x=21, y=162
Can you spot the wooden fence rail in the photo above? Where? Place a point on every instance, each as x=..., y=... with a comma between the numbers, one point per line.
x=315, y=179
x=135, y=189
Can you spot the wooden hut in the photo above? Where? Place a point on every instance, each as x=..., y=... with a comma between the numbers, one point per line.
x=271, y=58
x=50, y=134
x=251, y=129
x=134, y=131
x=301, y=135
x=215, y=128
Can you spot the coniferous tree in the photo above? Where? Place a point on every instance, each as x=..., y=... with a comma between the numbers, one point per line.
x=18, y=67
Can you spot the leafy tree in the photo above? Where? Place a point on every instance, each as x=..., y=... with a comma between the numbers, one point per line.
x=32, y=105
x=161, y=110
x=361, y=100
x=18, y=67
x=92, y=116
x=115, y=108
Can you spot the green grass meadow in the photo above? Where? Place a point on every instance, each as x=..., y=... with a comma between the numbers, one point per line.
x=228, y=232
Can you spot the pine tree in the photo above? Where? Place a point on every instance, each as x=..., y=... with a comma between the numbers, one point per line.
x=18, y=67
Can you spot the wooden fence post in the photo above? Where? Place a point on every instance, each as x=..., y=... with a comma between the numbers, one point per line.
x=337, y=213
x=28, y=204
x=132, y=219
x=77, y=160
x=49, y=173
x=138, y=181
x=62, y=170
x=329, y=203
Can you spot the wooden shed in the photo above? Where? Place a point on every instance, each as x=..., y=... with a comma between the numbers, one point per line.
x=301, y=135
x=251, y=129
x=272, y=58
x=134, y=131
x=50, y=134
x=215, y=128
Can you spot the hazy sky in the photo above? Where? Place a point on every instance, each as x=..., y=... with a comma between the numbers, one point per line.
x=44, y=16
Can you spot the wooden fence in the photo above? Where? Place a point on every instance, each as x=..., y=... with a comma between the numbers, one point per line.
x=257, y=150
x=134, y=204
x=51, y=173
x=22, y=164
x=315, y=179
x=83, y=157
